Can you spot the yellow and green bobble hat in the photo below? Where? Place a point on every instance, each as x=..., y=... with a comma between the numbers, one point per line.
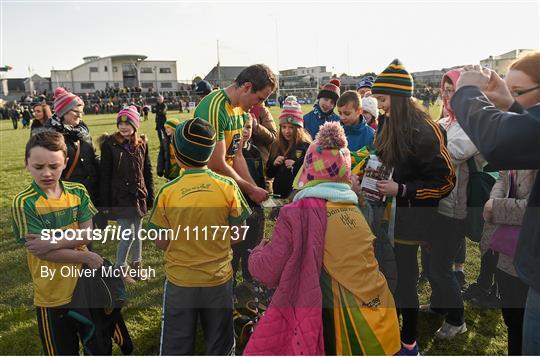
x=172, y=123
x=194, y=141
x=394, y=80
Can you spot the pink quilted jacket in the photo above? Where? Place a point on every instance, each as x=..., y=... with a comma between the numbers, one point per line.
x=292, y=262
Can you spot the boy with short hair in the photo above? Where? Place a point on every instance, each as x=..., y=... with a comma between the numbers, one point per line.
x=204, y=210
x=49, y=203
x=323, y=110
x=358, y=133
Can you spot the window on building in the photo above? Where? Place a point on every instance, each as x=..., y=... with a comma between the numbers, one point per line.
x=165, y=70
x=147, y=85
x=166, y=85
x=93, y=69
x=87, y=85
x=116, y=84
x=129, y=70
x=146, y=69
x=106, y=69
x=115, y=69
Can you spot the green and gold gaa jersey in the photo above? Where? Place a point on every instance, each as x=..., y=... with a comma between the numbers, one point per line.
x=203, y=201
x=228, y=122
x=32, y=211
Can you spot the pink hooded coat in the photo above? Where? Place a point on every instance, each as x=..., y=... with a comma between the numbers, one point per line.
x=453, y=76
x=293, y=323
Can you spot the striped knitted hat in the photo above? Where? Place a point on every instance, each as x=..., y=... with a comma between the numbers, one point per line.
x=366, y=82
x=292, y=112
x=172, y=123
x=335, y=82
x=329, y=90
x=129, y=115
x=64, y=101
x=194, y=141
x=394, y=80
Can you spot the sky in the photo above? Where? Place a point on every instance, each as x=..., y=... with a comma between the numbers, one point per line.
x=351, y=37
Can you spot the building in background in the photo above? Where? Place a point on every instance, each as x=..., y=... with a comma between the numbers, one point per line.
x=222, y=76
x=13, y=88
x=120, y=71
x=500, y=63
x=430, y=78
x=303, y=77
x=37, y=84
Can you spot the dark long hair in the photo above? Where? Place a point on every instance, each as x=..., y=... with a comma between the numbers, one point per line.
x=395, y=141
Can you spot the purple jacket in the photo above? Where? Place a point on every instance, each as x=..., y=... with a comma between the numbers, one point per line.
x=292, y=262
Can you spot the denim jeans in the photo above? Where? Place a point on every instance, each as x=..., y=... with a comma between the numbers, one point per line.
x=132, y=244
x=531, y=324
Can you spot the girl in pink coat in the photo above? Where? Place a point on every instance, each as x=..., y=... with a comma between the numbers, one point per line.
x=330, y=296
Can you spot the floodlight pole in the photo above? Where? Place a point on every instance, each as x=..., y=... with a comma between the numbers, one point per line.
x=277, y=60
x=218, y=69
x=155, y=73
x=137, y=65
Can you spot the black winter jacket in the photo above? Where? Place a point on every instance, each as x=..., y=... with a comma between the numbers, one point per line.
x=428, y=175
x=126, y=188
x=163, y=166
x=255, y=166
x=161, y=114
x=86, y=170
x=284, y=177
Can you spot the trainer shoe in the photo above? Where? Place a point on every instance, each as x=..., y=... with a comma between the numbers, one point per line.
x=476, y=292
x=404, y=351
x=448, y=331
x=481, y=297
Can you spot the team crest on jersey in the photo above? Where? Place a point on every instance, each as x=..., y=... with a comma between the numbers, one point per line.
x=75, y=213
x=233, y=148
x=59, y=214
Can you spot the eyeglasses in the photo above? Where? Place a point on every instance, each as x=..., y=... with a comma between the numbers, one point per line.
x=517, y=93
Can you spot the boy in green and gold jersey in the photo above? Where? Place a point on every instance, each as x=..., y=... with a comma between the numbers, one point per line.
x=49, y=204
x=204, y=210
